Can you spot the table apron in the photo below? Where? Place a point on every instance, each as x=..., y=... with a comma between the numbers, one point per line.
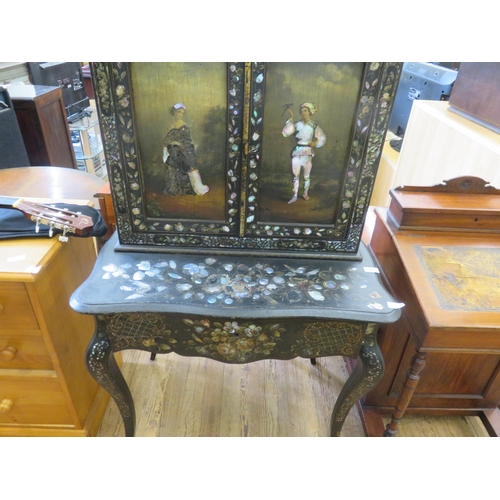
x=233, y=340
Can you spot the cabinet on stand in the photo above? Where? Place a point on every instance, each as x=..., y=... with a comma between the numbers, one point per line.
x=217, y=252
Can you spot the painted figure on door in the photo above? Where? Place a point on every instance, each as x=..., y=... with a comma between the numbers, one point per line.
x=179, y=158
x=308, y=135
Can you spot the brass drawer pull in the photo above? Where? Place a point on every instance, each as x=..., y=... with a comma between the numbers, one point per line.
x=8, y=353
x=6, y=405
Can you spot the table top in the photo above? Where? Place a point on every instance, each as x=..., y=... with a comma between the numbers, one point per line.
x=56, y=183
x=239, y=286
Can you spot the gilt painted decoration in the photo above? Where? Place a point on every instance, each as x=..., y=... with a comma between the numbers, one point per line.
x=251, y=157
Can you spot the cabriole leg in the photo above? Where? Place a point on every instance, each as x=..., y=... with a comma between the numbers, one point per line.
x=366, y=375
x=102, y=365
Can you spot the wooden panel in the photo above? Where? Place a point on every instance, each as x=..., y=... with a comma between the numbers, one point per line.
x=15, y=308
x=42, y=119
x=35, y=400
x=440, y=144
x=457, y=381
x=70, y=332
x=458, y=374
x=106, y=208
x=450, y=380
x=19, y=255
x=56, y=134
x=386, y=252
x=476, y=91
x=24, y=352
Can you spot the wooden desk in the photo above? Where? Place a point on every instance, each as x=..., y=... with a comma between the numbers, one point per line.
x=234, y=309
x=45, y=389
x=449, y=283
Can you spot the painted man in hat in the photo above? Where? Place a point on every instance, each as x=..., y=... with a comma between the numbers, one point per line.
x=308, y=135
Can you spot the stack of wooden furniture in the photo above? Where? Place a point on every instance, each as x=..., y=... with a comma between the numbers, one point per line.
x=438, y=249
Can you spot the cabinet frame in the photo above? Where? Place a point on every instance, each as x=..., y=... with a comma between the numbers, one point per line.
x=121, y=99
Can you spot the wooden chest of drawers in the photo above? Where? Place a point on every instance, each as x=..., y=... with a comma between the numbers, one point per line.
x=45, y=389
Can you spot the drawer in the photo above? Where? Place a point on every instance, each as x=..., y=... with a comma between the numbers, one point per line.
x=16, y=312
x=24, y=352
x=34, y=399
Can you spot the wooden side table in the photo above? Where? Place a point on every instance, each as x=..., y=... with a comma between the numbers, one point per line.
x=443, y=262
x=234, y=309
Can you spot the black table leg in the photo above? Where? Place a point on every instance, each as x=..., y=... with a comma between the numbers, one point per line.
x=102, y=366
x=366, y=375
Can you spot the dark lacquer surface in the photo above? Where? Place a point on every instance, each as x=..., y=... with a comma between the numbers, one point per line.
x=243, y=286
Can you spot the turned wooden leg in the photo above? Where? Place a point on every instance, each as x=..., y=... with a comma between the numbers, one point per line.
x=366, y=375
x=411, y=382
x=102, y=365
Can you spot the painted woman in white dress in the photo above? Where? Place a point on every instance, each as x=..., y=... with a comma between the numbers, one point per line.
x=308, y=135
x=179, y=158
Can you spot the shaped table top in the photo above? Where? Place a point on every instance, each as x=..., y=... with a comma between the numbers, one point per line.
x=235, y=286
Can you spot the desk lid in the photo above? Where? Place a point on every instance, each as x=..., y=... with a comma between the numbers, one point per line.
x=455, y=276
x=239, y=286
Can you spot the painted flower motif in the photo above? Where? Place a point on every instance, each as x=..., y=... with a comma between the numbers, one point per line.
x=245, y=345
x=226, y=350
x=124, y=102
x=232, y=341
x=374, y=66
x=120, y=90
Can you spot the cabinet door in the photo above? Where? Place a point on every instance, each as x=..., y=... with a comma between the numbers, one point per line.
x=459, y=381
x=275, y=157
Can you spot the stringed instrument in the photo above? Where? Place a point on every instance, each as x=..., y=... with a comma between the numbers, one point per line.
x=69, y=222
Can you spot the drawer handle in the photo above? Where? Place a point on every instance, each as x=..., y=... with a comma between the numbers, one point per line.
x=6, y=405
x=8, y=353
